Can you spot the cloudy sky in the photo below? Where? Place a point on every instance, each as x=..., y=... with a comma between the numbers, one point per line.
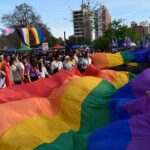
x=58, y=13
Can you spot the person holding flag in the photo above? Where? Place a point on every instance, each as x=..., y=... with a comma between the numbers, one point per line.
x=4, y=67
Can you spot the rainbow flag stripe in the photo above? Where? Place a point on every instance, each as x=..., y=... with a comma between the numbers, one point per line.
x=108, y=60
x=37, y=35
x=76, y=111
x=129, y=117
x=117, y=78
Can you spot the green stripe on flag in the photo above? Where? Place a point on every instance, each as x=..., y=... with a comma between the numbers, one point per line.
x=94, y=115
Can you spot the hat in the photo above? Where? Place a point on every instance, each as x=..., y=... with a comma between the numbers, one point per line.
x=1, y=56
x=67, y=57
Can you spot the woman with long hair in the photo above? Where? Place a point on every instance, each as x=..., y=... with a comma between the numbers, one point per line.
x=34, y=70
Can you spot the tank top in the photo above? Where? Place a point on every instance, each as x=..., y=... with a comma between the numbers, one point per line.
x=16, y=74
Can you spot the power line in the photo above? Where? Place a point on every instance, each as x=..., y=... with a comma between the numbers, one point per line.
x=68, y=19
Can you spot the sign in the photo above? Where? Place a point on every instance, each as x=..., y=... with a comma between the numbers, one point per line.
x=45, y=46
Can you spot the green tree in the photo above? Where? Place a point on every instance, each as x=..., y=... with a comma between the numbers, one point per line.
x=48, y=37
x=117, y=30
x=134, y=35
x=102, y=43
x=78, y=40
x=22, y=16
x=10, y=41
x=72, y=40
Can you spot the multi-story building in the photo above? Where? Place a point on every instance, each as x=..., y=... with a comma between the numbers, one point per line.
x=147, y=30
x=82, y=23
x=144, y=23
x=138, y=29
x=78, y=23
x=143, y=28
x=133, y=24
x=102, y=20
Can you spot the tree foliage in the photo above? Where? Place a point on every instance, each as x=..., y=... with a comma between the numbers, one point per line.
x=22, y=16
x=79, y=41
x=102, y=44
x=117, y=30
x=12, y=41
x=48, y=37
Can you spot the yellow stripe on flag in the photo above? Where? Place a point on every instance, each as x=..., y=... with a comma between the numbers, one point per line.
x=28, y=134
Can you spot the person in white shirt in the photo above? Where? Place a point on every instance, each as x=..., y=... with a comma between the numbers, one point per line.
x=54, y=66
x=43, y=71
x=86, y=61
x=60, y=64
x=67, y=63
x=21, y=66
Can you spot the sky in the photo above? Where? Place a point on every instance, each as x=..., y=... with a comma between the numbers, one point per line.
x=57, y=14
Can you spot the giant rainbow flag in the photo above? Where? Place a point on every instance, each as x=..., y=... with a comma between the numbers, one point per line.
x=109, y=60
x=97, y=110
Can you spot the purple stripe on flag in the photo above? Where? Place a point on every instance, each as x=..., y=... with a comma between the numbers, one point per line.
x=140, y=130
x=21, y=34
x=138, y=106
x=141, y=84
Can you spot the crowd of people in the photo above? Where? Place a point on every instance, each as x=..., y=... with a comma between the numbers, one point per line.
x=22, y=68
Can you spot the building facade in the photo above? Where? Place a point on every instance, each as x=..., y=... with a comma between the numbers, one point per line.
x=143, y=28
x=82, y=23
x=102, y=19
x=133, y=24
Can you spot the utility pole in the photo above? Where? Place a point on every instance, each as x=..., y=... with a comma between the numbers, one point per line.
x=64, y=38
x=82, y=22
